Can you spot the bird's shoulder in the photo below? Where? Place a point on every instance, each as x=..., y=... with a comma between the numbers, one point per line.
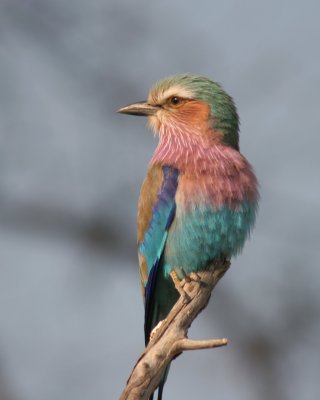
x=156, y=211
x=157, y=192
x=148, y=198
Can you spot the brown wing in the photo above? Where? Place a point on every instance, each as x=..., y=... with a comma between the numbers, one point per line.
x=147, y=199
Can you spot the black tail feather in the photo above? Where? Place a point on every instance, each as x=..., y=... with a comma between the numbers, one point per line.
x=161, y=384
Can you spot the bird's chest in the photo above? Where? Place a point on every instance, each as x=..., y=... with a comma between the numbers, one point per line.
x=210, y=222
x=203, y=190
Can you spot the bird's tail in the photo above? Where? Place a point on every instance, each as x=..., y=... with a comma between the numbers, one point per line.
x=161, y=384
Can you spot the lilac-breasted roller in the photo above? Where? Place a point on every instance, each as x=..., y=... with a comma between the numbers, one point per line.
x=199, y=200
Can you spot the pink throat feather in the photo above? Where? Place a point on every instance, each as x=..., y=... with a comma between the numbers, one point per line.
x=180, y=147
x=209, y=170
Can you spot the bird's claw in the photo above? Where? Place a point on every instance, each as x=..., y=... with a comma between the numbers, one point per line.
x=185, y=276
x=178, y=285
x=194, y=277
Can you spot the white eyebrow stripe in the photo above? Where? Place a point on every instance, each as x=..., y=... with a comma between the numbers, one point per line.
x=176, y=90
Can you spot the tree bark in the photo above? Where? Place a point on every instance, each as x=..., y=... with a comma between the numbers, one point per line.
x=169, y=338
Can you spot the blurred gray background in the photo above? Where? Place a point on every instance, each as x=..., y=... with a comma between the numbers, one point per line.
x=71, y=314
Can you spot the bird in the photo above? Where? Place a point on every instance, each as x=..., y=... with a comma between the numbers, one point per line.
x=199, y=200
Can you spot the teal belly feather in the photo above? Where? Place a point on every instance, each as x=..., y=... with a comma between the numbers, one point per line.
x=205, y=234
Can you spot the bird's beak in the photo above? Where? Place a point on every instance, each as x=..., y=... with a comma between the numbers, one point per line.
x=141, y=108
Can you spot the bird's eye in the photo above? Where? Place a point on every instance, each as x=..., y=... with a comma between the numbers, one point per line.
x=175, y=100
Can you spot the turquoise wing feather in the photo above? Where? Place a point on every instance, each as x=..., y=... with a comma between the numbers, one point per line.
x=152, y=246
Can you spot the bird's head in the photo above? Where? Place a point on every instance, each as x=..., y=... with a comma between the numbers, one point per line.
x=192, y=102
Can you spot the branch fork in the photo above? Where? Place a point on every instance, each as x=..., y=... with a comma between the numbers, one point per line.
x=169, y=338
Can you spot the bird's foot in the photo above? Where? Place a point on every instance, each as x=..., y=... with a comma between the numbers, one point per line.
x=179, y=286
x=190, y=279
x=194, y=277
x=186, y=277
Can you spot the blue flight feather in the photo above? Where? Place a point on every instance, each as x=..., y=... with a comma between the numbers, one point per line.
x=155, y=239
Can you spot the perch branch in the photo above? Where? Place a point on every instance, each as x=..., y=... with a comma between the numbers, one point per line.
x=187, y=344
x=169, y=339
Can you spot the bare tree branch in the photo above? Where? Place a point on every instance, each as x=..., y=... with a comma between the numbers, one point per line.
x=169, y=338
